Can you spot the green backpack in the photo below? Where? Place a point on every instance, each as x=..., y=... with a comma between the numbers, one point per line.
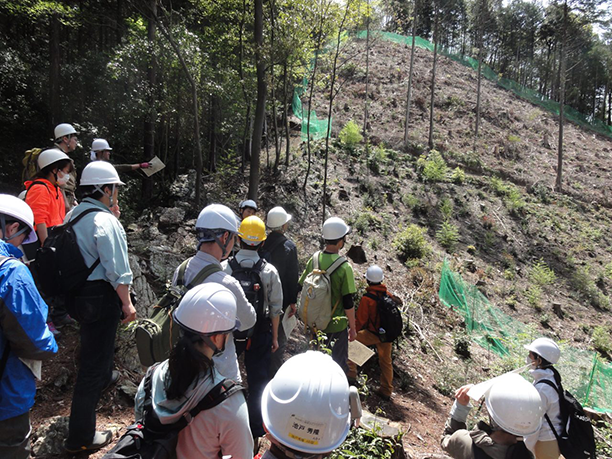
x=157, y=335
x=30, y=163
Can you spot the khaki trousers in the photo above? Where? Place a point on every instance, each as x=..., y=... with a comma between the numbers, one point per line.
x=547, y=450
x=384, y=359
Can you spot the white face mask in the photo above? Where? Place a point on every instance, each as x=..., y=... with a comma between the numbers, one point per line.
x=528, y=361
x=62, y=178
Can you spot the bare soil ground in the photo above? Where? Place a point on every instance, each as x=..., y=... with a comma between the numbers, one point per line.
x=497, y=247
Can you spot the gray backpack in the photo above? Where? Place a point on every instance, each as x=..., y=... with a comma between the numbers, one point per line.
x=315, y=307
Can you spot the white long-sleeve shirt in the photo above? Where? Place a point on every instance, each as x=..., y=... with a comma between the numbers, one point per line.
x=550, y=402
x=226, y=363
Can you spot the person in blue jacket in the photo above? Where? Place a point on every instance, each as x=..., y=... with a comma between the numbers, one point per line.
x=25, y=339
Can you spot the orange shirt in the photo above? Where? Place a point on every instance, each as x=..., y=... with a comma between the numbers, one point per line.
x=367, y=316
x=46, y=201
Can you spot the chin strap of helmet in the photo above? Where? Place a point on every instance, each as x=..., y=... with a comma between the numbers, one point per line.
x=5, y=237
x=110, y=197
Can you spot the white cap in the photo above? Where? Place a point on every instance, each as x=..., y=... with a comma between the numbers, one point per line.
x=335, y=228
x=248, y=203
x=545, y=348
x=99, y=145
x=207, y=309
x=277, y=217
x=100, y=173
x=217, y=216
x=374, y=274
x=51, y=156
x=63, y=129
x=19, y=210
x=515, y=405
x=306, y=406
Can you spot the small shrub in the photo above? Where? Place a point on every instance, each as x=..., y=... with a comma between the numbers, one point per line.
x=458, y=176
x=411, y=243
x=534, y=294
x=541, y=275
x=498, y=186
x=366, y=221
x=350, y=135
x=462, y=345
x=446, y=208
x=432, y=167
x=513, y=138
x=601, y=339
x=410, y=200
x=509, y=274
x=448, y=235
x=545, y=320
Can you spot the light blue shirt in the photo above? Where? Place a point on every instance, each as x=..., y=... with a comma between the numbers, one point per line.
x=100, y=235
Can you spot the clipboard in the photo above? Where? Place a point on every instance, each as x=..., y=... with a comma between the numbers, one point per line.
x=359, y=353
x=156, y=166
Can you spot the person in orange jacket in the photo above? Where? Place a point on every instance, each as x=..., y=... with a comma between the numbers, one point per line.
x=368, y=329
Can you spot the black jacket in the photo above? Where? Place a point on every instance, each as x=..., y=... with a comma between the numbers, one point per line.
x=282, y=253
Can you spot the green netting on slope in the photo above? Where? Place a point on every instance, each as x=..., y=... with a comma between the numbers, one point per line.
x=587, y=377
x=318, y=127
x=521, y=91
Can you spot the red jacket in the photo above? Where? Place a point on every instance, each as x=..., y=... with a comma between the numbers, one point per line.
x=367, y=316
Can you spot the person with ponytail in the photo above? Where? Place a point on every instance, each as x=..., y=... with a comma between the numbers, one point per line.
x=206, y=317
x=543, y=354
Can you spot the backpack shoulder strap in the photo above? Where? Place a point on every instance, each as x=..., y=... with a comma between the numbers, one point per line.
x=372, y=296
x=315, y=260
x=148, y=403
x=234, y=264
x=203, y=274
x=81, y=215
x=218, y=394
x=335, y=265
x=180, y=279
x=258, y=267
x=38, y=182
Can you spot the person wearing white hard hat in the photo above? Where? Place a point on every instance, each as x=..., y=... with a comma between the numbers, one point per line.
x=101, y=303
x=206, y=317
x=101, y=151
x=308, y=408
x=43, y=193
x=342, y=327
x=66, y=140
x=248, y=207
x=281, y=252
x=543, y=354
x=216, y=233
x=262, y=286
x=515, y=410
x=25, y=339
x=370, y=333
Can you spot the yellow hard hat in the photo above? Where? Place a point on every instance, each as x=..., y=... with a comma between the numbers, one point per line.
x=252, y=230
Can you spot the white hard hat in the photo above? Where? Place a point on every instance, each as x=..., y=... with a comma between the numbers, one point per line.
x=64, y=129
x=19, y=210
x=306, y=405
x=51, y=156
x=545, y=348
x=277, y=217
x=248, y=203
x=100, y=173
x=335, y=228
x=374, y=274
x=207, y=309
x=217, y=217
x=515, y=405
x=99, y=145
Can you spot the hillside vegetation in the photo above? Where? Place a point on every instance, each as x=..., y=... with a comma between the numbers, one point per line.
x=488, y=207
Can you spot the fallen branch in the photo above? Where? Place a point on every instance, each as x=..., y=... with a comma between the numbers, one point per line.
x=418, y=328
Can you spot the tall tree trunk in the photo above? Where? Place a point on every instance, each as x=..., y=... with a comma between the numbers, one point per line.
x=54, y=73
x=410, y=73
x=246, y=137
x=559, y=181
x=286, y=109
x=273, y=87
x=150, y=116
x=331, y=104
x=433, y=83
x=260, y=108
x=212, y=134
x=367, y=76
x=478, y=89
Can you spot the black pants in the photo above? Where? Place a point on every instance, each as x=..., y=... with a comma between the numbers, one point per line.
x=98, y=308
x=340, y=348
x=15, y=437
x=257, y=364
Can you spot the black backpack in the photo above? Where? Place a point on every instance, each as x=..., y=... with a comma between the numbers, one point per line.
x=390, y=317
x=250, y=281
x=576, y=439
x=59, y=263
x=150, y=439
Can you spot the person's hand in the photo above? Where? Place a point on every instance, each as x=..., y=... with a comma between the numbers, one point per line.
x=145, y=165
x=292, y=311
x=352, y=334
x=274, y=344
x=116, y=211
x=129, y=313
x=461, y=394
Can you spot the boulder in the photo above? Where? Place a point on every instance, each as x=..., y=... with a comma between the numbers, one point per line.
x=171, y=217
x=48, y=439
